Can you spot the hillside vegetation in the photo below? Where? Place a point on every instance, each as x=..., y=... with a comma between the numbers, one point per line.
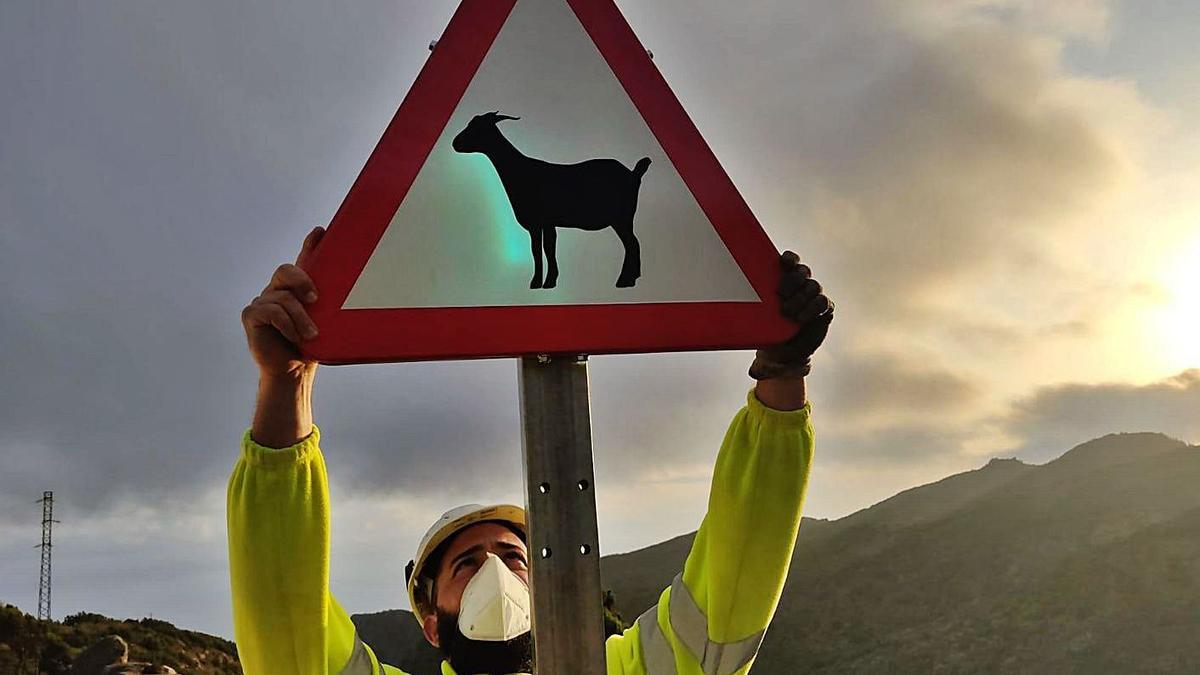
x=29, y=646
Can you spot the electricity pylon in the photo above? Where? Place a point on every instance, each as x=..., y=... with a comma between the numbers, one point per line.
x=47, y=501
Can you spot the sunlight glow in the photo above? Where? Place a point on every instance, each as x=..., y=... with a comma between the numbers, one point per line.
x=1178, y=320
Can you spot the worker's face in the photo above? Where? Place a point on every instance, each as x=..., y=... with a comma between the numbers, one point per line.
x=468, y=551
x=464, y=556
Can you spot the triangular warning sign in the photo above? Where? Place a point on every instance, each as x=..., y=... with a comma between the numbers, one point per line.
x=541, y=190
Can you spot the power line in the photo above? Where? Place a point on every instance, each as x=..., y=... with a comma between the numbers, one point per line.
x=47, y=501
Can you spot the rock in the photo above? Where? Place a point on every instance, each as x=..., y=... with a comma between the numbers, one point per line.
x=94, y=660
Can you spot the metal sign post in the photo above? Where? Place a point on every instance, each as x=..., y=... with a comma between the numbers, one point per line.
x=560, y=500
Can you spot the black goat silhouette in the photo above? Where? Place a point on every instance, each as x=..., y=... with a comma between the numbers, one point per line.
x=591, y=195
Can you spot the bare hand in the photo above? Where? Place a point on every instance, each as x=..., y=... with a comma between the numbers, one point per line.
x=276, y=321
x=804, y=301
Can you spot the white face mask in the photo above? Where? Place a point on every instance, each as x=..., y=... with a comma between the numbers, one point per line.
x=495, y=604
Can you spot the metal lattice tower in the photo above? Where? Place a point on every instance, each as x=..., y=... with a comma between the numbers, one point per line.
x=47, y=502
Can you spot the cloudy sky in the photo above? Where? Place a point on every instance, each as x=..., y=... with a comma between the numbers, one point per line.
x=1000, y=195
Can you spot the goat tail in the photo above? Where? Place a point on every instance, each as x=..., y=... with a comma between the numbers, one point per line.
x=639, y=169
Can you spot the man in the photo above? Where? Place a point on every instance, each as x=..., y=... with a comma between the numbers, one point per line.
x=469, y=581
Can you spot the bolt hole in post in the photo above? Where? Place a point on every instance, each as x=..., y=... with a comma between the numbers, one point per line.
x=546, y=552
x=583, y=485
x=584, y=549
x=544, y=488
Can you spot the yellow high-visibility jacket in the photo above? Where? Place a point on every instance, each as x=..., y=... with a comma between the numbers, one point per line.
x=710, y=620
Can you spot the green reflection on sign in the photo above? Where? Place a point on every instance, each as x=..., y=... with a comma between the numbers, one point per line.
x=509, y=238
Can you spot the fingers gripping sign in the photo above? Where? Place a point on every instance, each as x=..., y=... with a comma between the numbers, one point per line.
x=802, y=300
x=276, y=321
x=308, y=249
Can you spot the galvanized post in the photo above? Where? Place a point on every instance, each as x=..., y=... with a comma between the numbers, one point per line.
x=568, y=625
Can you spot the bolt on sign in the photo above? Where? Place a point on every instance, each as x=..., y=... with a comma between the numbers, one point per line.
x=541, y=190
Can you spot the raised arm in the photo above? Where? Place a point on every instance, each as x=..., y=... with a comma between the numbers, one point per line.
x=714, y=615
x=275, y=323
x=284, y=618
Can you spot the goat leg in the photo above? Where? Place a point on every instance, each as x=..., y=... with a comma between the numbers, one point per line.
x=549, y=239
x=535, y=244
x=631, y=266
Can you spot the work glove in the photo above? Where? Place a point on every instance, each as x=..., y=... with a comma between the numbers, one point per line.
x=801, y=300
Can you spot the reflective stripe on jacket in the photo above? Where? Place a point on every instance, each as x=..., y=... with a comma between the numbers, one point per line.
x=709, y=621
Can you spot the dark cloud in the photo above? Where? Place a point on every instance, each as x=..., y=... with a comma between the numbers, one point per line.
x=112, y=403
x=1055, y=419
x=450, y=431
x=925, y=146
x=1038, y=427
x=898, y=443
x=164, y=165
x=870, y=388
x=876, y=408
x=657, y=411
x=443, y=431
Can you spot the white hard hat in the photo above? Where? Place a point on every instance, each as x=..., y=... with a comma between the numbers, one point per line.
x=451, y=523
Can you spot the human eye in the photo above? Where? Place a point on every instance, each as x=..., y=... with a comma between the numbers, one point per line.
x=464, y=564
x=516, y=556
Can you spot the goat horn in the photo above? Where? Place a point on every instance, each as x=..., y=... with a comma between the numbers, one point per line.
x=500, y=118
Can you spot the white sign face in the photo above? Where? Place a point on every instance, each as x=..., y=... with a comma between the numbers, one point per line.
x=457, y=241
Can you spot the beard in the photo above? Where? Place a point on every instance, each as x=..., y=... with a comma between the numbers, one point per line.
x=481, y=657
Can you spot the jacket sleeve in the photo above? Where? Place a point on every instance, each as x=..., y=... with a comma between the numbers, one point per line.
x=714, y=615
x=284, y=618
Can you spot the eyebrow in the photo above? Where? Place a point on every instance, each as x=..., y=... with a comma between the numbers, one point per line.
x=479, y=547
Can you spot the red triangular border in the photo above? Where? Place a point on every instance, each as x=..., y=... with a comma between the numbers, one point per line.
x=376, y=335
